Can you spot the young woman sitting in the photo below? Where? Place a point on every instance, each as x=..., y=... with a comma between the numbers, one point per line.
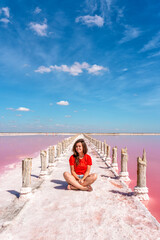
x=80, y=166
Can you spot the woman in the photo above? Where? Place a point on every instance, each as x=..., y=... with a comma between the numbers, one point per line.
x=80, y=165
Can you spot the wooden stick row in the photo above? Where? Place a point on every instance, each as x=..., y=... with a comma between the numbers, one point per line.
x=48, y=158
x=103, y=150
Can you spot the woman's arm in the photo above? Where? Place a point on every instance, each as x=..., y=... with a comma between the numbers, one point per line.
x=73, y=172
x=86, y=173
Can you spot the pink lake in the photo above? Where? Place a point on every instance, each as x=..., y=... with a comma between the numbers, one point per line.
x=15, y=148
x=135, y=146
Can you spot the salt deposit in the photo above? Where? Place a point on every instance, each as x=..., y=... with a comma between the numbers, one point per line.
x=110, y=211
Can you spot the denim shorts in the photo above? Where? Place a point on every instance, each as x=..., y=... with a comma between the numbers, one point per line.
x=80, y=176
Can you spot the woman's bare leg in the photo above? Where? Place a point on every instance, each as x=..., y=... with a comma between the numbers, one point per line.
x=90, y=179
x=72, y=181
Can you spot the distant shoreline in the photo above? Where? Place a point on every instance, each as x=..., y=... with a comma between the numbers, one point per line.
x=71, y=133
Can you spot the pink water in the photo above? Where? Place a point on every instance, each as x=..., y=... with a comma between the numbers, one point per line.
x=135, y=146
x=15, y=148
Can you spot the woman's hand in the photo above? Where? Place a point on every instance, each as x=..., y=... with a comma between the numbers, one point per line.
x=81, y=181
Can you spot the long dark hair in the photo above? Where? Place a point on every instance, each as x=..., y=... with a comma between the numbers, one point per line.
x=75, y=153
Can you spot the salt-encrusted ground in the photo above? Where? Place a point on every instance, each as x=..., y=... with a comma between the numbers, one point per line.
x=54, y=213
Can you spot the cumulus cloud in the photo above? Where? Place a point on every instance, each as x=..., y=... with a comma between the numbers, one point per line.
x=63, y=103
x=129, y=34
x=74, y=70
x=40, y=29
x=91, y=20
x=37, y=10
x=94, y=69
x=23, y=109
x=152, y=44
x=43, y=69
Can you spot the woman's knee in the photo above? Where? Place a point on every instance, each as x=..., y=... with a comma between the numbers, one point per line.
x=66, y=174
x=94, y=176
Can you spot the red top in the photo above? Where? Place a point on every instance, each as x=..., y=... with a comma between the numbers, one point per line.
x=81, y=168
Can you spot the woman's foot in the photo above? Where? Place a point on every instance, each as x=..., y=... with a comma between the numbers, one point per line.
x=90, y=189
x=70, y=187
x=87, y=188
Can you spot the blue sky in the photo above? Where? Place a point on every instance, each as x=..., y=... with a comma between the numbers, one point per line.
x=81, y=66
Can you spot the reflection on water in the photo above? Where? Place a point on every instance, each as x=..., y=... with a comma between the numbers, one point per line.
x=15, y=148
x=135, y=146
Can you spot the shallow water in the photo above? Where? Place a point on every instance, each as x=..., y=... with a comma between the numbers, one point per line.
x=135, y=146
x=15, y=148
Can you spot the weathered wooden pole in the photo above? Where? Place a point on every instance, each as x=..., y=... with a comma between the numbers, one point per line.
x=124, y=175
x=99, y=147
x=141, y=189
x=58, y=150
x=51, y=156
x=43, y=156
x=108, y=158
x=26, y=176
x=114, y=159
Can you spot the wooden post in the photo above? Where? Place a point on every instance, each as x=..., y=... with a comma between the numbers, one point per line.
x=124, y=175
x=58, y=150
x=43, y=156
x=141, y=189
x=99, y=147
x=51, y=155
x=114, y=159
x=108, y=158
x=26, y=176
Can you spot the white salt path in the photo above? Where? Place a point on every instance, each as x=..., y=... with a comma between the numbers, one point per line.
x=109, y=212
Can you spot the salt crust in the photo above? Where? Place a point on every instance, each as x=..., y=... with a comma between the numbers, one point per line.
x=109, y=212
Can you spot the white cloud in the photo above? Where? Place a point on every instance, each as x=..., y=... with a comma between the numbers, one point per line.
x=43, y=69
x=37, y=10
x=154, y=43
x=5, y=15
x=91, y=20
x=19, y=115
x=40, y=29
x=5, y=11
x=23, y=109
x=4, y=20
x=51, y=104
x=130, y=33
x=63, y=103
x=74, y=70
x=95, y=69
x=67, y=116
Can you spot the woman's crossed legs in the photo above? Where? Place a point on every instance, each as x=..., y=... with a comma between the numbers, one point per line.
x=73, y=184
